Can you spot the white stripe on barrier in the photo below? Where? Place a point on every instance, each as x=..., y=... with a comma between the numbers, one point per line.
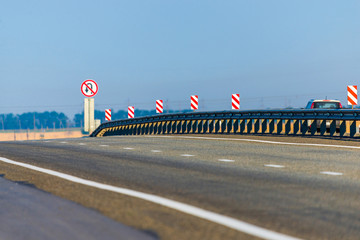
x=159, y=106
x=131, y=112
x=181, y=207
x=108, y=114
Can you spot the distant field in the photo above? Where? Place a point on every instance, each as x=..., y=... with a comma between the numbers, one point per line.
x=20, y=135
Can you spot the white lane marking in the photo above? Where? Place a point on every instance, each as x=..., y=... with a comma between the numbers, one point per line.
x=262, y=141
x=332, y=173
x=187, y=155
x=63, y=142
x=274, y=165
x=156, y=151
x=181, y=207
x=103, y=145
x=226, y=160
x=82, y=144
x=128, y=148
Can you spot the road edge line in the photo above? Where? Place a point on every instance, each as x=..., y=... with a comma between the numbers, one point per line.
x=181, y=207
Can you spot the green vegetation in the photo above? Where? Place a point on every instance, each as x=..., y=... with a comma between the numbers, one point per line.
x=55, y=120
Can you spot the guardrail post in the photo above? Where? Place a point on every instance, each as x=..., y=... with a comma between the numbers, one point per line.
x=256, y=126
x=342, y=128
x=205, y=126
x=332, y=127
x=313, y=128
x=178, y=127
x=223, y=125
x=199, y=126
x=164, y=127
x=242, y=126
x=146, y=128
x=352, y=128
x=279, y=126
x=287, y=126
x=229, y=126
x=183, y=126
x=304, y=127
x=322, y=126
x=216, y=126
x=173, y=127
x=211, y=124
x=138, y=129
x=188, y=126
x=264, y=125
x=272, y=126
x=296, y=126
x=193, y=126
x=249, y=126
x=152, y=128
x=155, y=124
x=236, y=125
x=160, y=128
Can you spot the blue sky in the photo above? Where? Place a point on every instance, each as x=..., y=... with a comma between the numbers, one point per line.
x=274, y=53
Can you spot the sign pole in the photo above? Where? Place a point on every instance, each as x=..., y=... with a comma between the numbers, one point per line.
x=89, y=89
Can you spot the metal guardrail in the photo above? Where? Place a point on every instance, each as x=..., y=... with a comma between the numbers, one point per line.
x=344, y=122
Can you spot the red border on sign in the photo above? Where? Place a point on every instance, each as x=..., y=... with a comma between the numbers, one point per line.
x=85, y=83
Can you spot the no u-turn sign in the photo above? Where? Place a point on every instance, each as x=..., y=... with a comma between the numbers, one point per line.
x=89, y=88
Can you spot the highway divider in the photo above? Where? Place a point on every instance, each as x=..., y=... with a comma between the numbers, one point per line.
x=309, y=122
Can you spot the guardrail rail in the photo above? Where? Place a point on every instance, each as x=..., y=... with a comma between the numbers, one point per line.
x=341, y=123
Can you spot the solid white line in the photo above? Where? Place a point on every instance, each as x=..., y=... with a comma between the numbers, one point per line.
x=263, y=141
x=332, y=173
x=187, y=155
x=182, y=207
x=226, y=160
x=274, y=165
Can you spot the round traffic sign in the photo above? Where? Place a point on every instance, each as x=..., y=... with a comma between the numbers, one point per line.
x=89, y=88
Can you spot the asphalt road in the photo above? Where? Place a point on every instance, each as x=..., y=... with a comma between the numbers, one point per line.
x=304, y=191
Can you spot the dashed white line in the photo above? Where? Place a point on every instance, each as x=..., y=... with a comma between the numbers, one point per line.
x=128, y=148
x=332, y=173
x=187, y=155
x=82, y=144
x=63, y=142
x=262, y=141
x=274, y=166
x=181, y=207
x=103, y=145
x=226, y=160
x=156, y=151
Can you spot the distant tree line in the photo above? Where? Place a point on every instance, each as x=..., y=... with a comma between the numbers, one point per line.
x=55, y=120
x=34, y=120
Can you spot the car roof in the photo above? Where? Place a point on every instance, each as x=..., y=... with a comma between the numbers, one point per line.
x=325, y=100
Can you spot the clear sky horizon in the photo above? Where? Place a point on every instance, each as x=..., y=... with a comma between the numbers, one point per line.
x=274, y=53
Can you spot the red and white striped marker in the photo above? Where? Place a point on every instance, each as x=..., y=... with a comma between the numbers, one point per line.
x=159, y=106
x=352, y=95
x=194, y=102
x=235, y=101
x=108, y=114
x=131, y=112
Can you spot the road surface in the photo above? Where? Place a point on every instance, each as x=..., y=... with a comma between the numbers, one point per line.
x=292, y=186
